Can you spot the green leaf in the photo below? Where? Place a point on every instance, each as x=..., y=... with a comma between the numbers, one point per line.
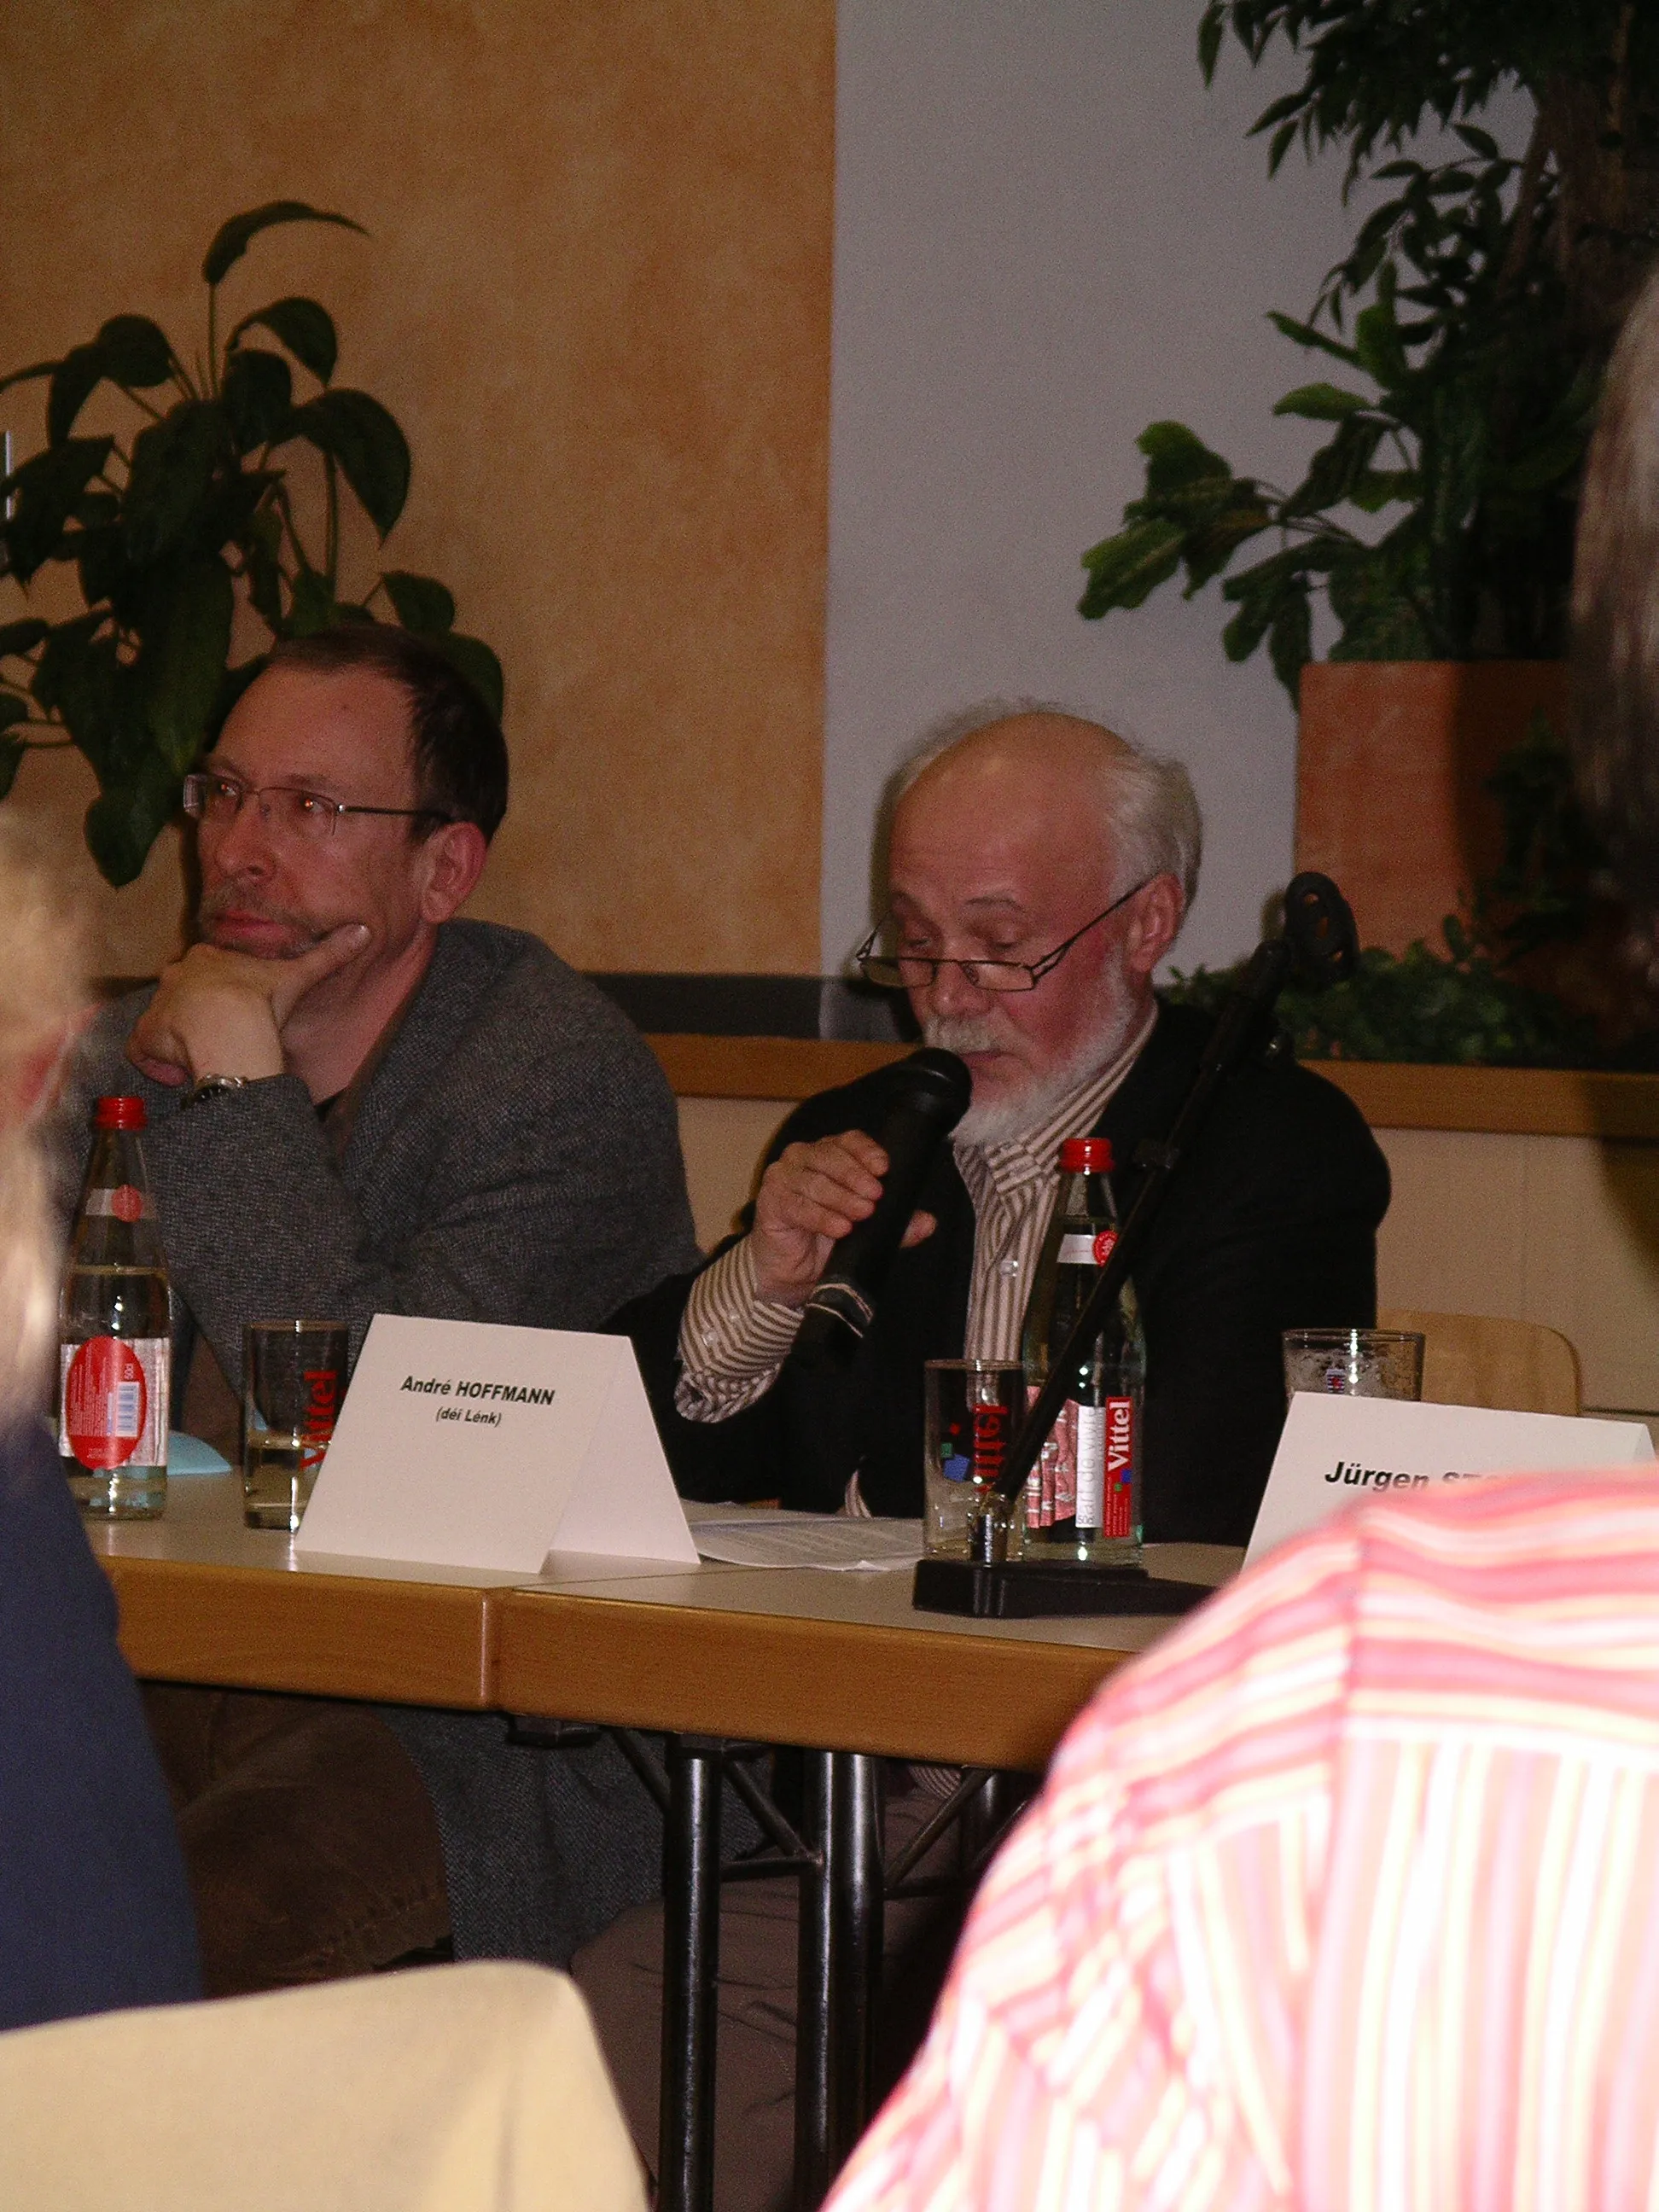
x=367, y=444
x=475, y=660
x=1210, y=31
x=1321, y=402
x=1304, y=334
x=76, y=378
x=79, y=680
x=419, y=603
x=174, y=464
x=1124, y=568
x=261, y=551
x=1478, y=142
x=183, y=662
x=1175, y=457
x=128, y=815
x=306, y=328
x=1377, y=342
x=20, y=637
x=130, y=350
x=11, y=759
x=310, y=606
x=136, y=352
x=47, y=490
x=1289, y=643
x=257, y=398
x=233, y=238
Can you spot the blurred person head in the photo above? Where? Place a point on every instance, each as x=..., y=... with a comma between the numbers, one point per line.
x=1615, y=613
x=42, y=1001
x=1012, y=831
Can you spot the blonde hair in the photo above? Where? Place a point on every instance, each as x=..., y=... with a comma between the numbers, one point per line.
x=41, y=995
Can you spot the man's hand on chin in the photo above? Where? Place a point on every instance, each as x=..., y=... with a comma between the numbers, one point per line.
x=218, y=1012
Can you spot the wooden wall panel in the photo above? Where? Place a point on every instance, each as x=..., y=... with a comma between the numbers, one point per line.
x=597, y=298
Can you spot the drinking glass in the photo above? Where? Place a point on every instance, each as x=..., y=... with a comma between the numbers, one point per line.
x=294, y=1377
x=971, y=1410
x=1354, y=1363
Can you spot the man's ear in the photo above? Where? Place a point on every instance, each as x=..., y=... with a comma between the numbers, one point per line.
x=1155, y=920
x=454, y=857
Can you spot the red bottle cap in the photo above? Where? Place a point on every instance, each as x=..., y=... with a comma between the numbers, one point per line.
x=1087, y=1156
x=120, y=1113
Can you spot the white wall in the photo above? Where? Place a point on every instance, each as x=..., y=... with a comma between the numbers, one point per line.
x=1049, y=234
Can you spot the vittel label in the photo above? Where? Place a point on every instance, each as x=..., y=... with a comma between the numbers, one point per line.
x=322, y=1404
x=112, y=1401
x=126, y=1202
x=1085, y=1248
x=1090, y=1465
x=1117, y=1518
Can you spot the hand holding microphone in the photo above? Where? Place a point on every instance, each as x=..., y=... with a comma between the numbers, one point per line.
x=810, y=1197
x=926, y=1096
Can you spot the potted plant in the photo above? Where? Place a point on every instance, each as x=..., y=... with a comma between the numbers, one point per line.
x=1460, y=345
x=173, y=527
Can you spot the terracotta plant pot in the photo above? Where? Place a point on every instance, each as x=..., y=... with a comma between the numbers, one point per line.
x=1389, y=769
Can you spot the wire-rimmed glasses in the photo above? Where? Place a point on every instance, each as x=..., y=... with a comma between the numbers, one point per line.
x=919, y=971
x=309, y=816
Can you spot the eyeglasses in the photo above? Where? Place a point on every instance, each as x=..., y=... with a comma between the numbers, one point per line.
x=916, y=971
x=307, y=816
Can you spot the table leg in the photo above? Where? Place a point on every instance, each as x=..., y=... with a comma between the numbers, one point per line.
x=856, y=1943
x=691, y=1941
x=814, y=1991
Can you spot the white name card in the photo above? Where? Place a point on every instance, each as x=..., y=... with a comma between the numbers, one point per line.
x=464, y=1444
x=1336, y=1450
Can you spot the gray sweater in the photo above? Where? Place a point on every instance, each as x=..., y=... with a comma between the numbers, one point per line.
x=515, y=1158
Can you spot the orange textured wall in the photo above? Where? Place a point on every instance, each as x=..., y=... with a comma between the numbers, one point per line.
x=597, y=297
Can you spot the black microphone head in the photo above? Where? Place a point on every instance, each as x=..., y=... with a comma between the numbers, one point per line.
x=1319, y=925
x=938, y=1082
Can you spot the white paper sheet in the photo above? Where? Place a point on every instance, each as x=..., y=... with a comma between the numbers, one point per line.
x=833, y=1541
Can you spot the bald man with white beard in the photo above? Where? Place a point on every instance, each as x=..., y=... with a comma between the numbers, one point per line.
x=1041, y=843
x=1039, y=850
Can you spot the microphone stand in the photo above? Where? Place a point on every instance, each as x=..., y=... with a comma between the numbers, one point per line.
x=1321, y=940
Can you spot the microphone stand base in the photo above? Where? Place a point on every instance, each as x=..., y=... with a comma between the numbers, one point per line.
x=1032, y=1590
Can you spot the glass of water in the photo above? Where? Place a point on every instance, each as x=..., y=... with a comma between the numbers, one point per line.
x=1354, y=1363
x=294, y=1377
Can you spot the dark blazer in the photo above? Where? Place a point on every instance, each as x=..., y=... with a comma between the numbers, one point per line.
x=1269, y=1224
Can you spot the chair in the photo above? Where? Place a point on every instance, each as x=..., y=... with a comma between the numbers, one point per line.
x=1481, y=1359
x=475, y=2088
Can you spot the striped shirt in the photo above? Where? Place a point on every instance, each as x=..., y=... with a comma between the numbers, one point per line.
x=1345, y=1896
x=734, y=1341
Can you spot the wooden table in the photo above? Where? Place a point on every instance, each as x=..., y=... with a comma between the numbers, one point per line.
x=840, y=1664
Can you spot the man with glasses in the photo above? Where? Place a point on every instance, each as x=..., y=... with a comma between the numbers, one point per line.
x=1039, y=870
x=359, y=1103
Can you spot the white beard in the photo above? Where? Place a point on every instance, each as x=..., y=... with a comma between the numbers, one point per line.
x=996, y=1122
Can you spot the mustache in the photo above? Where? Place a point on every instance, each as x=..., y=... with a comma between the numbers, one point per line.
x=963, y=1032
x=231, y=898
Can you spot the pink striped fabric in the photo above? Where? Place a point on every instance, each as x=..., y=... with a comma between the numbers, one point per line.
x=1347, y=1895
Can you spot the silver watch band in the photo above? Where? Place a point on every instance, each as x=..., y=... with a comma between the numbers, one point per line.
x=211, y=1086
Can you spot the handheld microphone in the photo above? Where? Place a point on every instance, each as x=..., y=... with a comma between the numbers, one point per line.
x=933, y=1088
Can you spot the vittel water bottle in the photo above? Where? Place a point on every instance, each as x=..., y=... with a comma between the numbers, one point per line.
x=115, y=1350
x=1083, y=1497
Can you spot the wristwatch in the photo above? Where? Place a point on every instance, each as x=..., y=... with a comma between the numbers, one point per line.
x=211, y=1086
